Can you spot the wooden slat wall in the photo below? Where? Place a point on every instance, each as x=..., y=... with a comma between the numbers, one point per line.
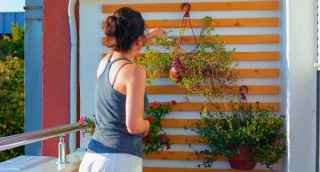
x=157, y=169
x=252, y=90
x=238, y=22
x=251, y=73
x=233, y=39
x=256, y=56
x=210, y=6
x=256, y=75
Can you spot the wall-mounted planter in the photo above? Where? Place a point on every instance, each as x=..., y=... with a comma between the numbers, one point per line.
x=241, y=161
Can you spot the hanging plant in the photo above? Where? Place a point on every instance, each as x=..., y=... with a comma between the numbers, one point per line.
x=207, y=70
x=157, y=139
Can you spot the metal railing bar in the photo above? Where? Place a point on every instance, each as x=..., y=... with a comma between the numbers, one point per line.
x=18, y=140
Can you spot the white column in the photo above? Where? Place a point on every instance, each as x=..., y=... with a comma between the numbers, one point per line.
x=300, y=40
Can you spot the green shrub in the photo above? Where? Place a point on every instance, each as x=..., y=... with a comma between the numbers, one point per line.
x=11, y=101
x=260, y=130
x=13, y=45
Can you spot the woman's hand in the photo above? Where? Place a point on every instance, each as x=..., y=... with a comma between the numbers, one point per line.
x=155, y=32
x=146, y=132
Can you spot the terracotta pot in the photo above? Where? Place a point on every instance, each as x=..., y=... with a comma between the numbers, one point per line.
x=242, y=160
x=174, y=74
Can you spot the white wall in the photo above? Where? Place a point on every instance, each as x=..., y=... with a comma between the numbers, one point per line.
x=301, y=84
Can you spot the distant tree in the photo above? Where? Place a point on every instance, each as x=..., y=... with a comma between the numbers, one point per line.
x=12, y=88
x=13, y=45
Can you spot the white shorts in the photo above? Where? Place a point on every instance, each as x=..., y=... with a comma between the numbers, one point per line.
x=110, y=162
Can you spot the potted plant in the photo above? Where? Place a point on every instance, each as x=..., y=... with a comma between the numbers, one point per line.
x=245, y=136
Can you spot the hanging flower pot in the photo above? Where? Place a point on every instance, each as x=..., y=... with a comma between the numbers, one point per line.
x=176, y=70
x=242, y=160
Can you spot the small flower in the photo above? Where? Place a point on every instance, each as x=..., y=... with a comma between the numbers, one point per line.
x=164, y=139
x=154, y=105
x=150, y=119
x=173, y=102
x=82, y=120
x=168, y=146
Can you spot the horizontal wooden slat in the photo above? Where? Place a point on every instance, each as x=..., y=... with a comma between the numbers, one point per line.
x=204, y=6
x=163, y=169
x=258, y=73
x=232, y=22
x=186, y=139
x=253, y=90
x=250, y=73
x=221, y=107
x=231, y=39
x=179, y=123
x=255, y=56
x=177, y=155
x=239, y=39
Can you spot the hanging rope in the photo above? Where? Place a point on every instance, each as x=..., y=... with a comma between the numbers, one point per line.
x=186, y=21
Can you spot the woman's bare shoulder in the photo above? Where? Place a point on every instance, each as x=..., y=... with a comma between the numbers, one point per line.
x=135, y=70
x=103, y=63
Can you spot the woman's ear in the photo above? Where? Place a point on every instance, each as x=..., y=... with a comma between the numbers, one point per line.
x=141, y=41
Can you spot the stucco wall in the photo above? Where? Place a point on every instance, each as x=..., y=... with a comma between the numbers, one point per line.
x=301, y=53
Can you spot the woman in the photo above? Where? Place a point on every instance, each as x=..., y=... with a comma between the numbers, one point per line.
x=120, y=100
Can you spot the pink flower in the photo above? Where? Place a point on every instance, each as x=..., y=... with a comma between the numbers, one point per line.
x=164, y=139
x=154, y=105
x=82, y=120
x=150, y=119
x=168, y=146
x=173, y=102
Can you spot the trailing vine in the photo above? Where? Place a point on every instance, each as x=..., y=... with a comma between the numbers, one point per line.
x=208, y=70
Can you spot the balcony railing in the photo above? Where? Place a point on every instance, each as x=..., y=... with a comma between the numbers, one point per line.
x=18, y=140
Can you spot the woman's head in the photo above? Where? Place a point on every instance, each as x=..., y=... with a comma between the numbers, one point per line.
x=124, y=30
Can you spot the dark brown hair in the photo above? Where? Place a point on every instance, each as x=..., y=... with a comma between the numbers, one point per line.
x=123, y=28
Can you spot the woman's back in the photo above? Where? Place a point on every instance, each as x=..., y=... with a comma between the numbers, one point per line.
x=120, y=99
x=111, y=133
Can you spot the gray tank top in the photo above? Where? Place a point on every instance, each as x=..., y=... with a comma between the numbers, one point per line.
x=111, y=134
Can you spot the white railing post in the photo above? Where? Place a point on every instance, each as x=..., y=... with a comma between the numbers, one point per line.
x=61, y=151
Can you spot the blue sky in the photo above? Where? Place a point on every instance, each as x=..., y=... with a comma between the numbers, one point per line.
x=11, y=5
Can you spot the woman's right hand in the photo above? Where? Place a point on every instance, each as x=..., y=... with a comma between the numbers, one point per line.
x=147, y=129
x=156, y=32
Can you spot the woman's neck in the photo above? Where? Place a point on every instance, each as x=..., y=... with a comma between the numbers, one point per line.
x=119, y=54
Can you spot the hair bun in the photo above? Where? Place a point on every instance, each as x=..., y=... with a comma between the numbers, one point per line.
x=123, y=28
x=110, y=26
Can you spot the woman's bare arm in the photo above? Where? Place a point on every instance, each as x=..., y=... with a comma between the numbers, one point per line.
x=135, y=89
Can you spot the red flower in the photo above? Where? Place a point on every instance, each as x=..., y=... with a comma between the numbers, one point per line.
x=82, y=120
x=168, y=146
x=154, y=105
x=164, y=139
x=150, y=119
x=173, y=102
